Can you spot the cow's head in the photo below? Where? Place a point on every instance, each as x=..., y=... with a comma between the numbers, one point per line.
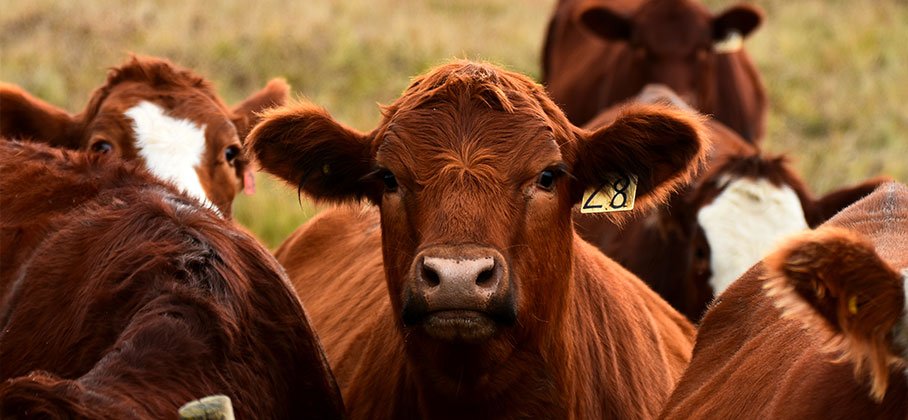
x=742, y=208
x=150, y=110
x=834, y=280
x=475, y=171
x=674, y=42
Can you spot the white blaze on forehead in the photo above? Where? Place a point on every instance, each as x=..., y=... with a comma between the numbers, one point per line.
x=744, y=223
x=172, y=148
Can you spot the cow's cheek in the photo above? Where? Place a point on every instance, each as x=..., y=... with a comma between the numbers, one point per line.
x=398, y=245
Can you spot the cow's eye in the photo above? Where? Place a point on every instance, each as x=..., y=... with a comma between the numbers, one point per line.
x=101, y=146
x=546, y=180
x=390, y=181
x=231, y=153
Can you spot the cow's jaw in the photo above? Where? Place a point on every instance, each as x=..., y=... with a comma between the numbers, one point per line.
x=744, y=223
x=171, y=148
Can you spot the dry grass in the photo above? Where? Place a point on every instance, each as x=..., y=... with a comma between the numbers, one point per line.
x=835, y=69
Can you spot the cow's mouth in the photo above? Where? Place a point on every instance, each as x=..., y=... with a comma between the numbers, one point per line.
x=459, y=325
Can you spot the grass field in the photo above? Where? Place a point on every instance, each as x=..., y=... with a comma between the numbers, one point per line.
x=836, y=70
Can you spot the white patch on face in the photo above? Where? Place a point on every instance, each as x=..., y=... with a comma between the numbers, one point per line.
x=744, y=223
x=172, y=148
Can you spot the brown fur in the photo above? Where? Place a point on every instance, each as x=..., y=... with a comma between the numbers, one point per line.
x=752, y=361
x=466, y=144
x=128, y=300
x=181, y=92
x=599, y=53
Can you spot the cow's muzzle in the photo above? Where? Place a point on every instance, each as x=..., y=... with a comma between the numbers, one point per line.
x=459, y=293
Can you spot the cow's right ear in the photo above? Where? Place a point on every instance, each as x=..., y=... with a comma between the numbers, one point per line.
x=604, y=21
x=833, y=279
x=28, y=118
x=304, y=146
x=742, y=19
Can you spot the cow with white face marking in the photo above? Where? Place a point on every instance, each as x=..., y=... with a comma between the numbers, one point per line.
x=741, y=210
x=150, y=110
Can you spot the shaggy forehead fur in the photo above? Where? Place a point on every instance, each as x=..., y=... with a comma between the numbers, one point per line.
x=467, y=118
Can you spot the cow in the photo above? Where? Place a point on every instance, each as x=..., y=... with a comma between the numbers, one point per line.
x=815, y=330
x=449, y=283
x=598, y=53
x=735, y=210
x=151, y=110
x=138, y=299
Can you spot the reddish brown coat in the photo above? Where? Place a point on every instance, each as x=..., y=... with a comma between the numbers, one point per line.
x=129, y=300
x=599, y=53
x=473, y=160
x=103, y=126
x=842, y=288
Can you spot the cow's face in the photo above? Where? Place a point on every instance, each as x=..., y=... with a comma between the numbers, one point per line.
x=168, y=118
x=674, y=42
x=475, y=171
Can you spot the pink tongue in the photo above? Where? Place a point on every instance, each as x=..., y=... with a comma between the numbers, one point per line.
x=248, y=182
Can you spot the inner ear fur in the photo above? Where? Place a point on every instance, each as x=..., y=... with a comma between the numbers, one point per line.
x=604, y=21
x=28, y=118
x=662, y=145
x=832, y=278
x=741, y=18
x=304, y=146
x=246, y=113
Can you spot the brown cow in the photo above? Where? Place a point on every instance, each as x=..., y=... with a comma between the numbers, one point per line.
x=465, y=292
x=150, y=110
x=837, y=348
x=598, y=53
x=138, y=300
x=741, y=207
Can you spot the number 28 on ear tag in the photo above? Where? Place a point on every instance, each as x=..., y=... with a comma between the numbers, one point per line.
x=617, y=193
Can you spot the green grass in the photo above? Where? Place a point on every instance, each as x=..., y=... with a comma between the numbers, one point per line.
x=835, y=69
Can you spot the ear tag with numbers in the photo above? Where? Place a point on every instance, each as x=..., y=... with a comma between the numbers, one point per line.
x=616, y=194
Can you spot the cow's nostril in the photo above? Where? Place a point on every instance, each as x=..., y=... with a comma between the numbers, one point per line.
x=485, y=276
x=430, y=276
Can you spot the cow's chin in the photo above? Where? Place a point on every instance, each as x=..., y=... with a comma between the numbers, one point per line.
x=459, y=326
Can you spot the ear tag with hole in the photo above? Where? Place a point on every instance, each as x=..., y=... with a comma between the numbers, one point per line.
x=617, y=193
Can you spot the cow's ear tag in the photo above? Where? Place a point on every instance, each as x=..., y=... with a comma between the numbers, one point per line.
x=732, y=43
x=617, y=193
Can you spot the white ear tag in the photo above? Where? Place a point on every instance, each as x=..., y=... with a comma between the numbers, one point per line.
x=617, y=193
x=732, y=43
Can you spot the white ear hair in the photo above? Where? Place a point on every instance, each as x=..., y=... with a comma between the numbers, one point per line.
x=733, y=42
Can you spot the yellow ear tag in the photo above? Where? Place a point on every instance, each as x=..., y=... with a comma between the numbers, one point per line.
x=853, y=305
x=617, y=193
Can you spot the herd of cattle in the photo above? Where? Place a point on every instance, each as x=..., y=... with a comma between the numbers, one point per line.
x=458, y=274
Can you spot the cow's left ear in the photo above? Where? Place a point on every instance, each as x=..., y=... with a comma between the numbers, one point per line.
x=833, y=278
x=25, y=117
x=660, y=145
x=604, y=21
x=742, y=19
x=246, y=113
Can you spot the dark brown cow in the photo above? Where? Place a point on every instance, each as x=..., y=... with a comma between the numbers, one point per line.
x=150, y=110
x=741, y=205
x=138, y=300
x=465, y=293
x=598, y=53
x=837, y=348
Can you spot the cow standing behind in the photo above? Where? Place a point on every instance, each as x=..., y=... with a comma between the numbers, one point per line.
x=136, y=299
x=152, y=111
x=598, y=53
x=817, y=330
x=465, y=292
x=709, y=233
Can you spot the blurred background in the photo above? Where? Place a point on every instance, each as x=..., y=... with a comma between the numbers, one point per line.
x=836, y=70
